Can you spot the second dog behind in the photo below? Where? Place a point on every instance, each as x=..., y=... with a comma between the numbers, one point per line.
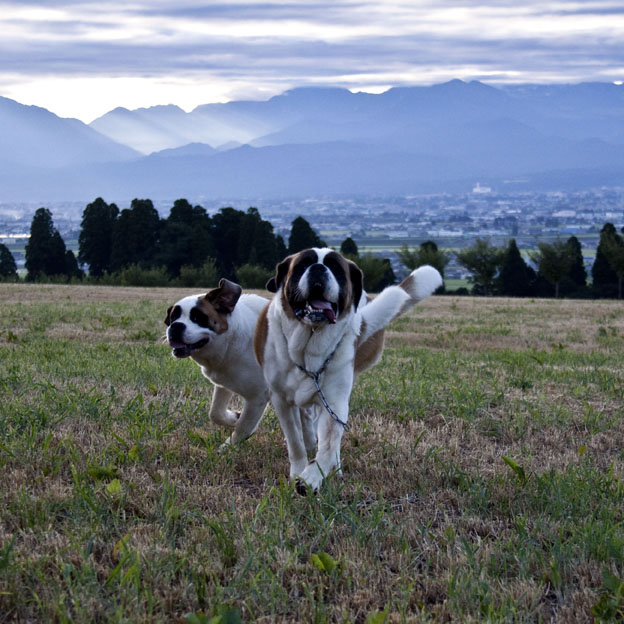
x=216, y=331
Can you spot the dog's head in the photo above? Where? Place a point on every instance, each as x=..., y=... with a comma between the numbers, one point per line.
x=194, y=321
x=318, y=286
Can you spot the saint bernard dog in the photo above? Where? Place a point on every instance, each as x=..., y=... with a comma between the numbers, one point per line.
x=216, y=330
x=316, y=335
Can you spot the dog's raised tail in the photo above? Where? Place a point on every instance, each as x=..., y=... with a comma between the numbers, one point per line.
x=396, y=300
x=421, y=283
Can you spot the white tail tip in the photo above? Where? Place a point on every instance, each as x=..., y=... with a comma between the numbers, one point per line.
x=422, y=282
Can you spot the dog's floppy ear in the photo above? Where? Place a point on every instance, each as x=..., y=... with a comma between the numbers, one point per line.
x=225, y=297
x=281, y=270
x=357, y=282
x=168, y=317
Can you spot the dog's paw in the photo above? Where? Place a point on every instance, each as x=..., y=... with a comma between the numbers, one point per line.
x=302, y=488
x=227, y=445
x=227, y=419
x=310, y=478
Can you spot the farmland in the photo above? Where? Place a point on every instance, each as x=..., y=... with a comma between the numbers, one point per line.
x=482, y=474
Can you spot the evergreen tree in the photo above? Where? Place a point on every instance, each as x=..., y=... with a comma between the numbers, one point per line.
x=302, y=236
x=8, y=268
x=483, y=260
x=578, y=272
x=426, y=253
x=135, y=235
x=615, y=256
x=575, y=283
x=553, y=261
x=348, y=247
x=245, y=239
x=606, y=282
x=72, y=270
x=515, y=278
x=227, y=226
x=95, y=241
x=257, y=242
x=604, y=278
x=45, y=250
x=186, y=238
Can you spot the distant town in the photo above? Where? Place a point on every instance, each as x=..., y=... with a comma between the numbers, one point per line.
x=381, y=225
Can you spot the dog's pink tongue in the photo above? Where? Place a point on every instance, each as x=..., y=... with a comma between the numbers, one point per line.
x=176, y=345
x=326, y=307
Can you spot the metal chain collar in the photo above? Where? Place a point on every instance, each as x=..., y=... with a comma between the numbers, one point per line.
x=316, y=377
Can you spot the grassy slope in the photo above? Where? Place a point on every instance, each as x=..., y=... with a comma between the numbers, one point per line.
x=118, y=507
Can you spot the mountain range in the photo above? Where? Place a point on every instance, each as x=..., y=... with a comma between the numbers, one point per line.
x=322, y=141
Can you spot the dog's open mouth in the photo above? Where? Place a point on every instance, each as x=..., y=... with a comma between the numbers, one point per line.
x=182, y=350
x=319, y=310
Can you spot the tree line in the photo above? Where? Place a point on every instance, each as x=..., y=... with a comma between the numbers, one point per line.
x=135, y=246
x=559, y=267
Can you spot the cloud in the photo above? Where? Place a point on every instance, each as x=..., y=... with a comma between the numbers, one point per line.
x=246, y=47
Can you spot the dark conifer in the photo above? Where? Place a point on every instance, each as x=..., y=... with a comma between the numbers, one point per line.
x=186, y=238
x=516, y=278
x=348, y=247
x=95, y=241
x=8, y=268
x=578, y=273
x=302, y=236
x=45, y=250
x=135, y=235
x=604, y=278
x=575, y=283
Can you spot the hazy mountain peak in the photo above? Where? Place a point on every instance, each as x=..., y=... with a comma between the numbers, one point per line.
x=35, y=137
x=190, y=149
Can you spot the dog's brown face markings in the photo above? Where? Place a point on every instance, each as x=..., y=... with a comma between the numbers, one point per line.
x=209, y=312
x=289, y=272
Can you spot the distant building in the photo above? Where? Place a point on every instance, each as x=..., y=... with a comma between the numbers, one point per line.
x=481, y=190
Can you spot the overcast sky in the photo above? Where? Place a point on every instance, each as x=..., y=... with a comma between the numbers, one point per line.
x=81, y=59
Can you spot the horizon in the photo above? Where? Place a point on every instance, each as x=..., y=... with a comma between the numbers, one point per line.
x=617, y=83
x=81, y=60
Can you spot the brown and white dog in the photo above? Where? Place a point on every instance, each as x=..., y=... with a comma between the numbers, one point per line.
x=216, y=330
x=315, y=336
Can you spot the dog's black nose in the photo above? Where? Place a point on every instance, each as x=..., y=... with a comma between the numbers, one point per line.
x=175, y=332
x=317, y=274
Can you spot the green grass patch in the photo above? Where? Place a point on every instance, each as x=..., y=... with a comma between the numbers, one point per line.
x=482, y=474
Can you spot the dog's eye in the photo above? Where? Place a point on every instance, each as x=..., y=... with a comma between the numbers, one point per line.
x=173, y=314
x=335, y=267
x=199, y=318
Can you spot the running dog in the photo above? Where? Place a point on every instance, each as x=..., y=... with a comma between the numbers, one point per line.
x=216, y=331
x=317, y=334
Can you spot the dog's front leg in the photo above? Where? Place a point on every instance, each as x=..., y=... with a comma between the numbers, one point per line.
x=329, y=438
x=219, y=413
x=290, y=422
x=309, y=421
x=249, y=419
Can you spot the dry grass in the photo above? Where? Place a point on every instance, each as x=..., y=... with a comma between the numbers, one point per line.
x=119, y=506
x=61, y=293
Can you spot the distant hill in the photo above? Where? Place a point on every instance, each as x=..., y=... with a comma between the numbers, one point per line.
x=34, y=137
x=313, y=141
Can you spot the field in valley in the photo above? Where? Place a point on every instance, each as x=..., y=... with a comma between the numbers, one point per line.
x=482, y=474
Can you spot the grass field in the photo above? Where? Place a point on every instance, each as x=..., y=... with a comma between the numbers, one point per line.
x=482, y=475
